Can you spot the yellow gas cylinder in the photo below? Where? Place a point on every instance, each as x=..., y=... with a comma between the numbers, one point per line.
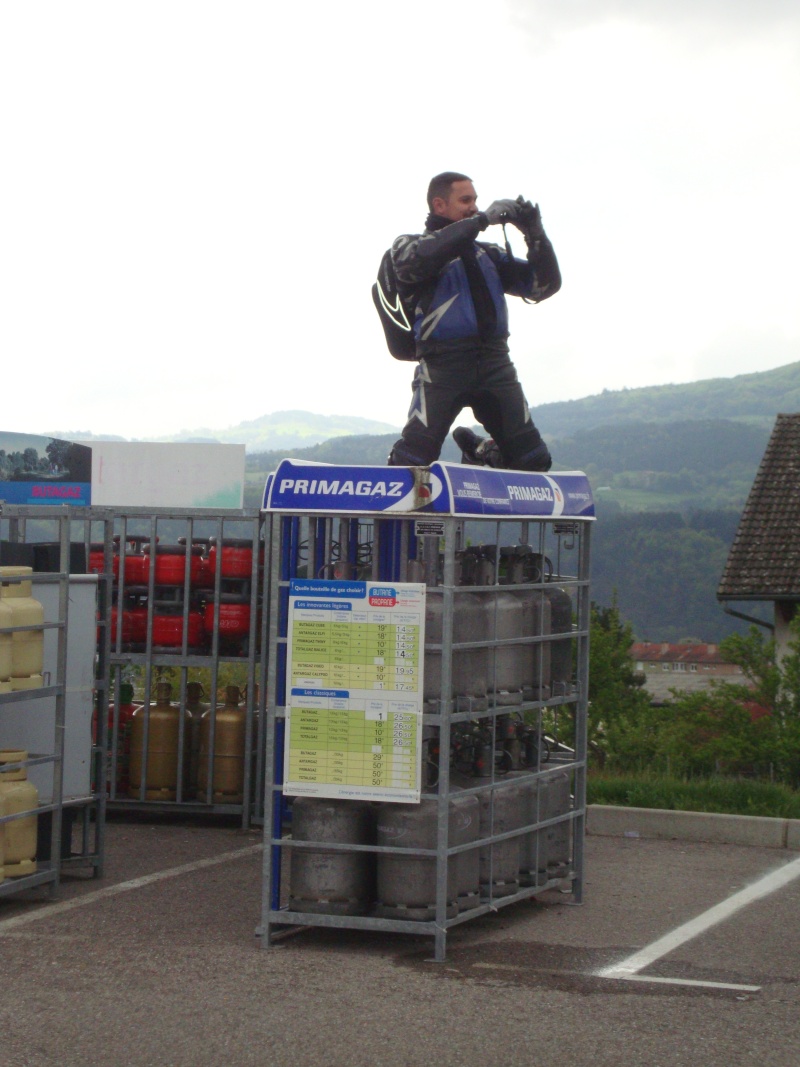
x=197, y=707
x=27, y=646
x=18, y=794
x=27, y=681
x=227, y=786
x=6, y=620
x=163, y=734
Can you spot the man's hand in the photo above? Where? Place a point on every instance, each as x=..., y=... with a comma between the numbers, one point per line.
x=528, y=218
x=502, y=211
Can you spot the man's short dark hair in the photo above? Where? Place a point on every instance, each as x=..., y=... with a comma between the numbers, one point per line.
x=440, y=185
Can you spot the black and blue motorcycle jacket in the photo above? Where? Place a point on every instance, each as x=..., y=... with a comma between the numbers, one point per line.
x=457, y=285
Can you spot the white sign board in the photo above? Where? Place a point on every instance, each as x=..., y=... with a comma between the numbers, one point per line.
x=354, y=690
x=178, y=475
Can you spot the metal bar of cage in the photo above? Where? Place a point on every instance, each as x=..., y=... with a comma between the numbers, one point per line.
x=14, y=520
x=208, y=662
x=395, y=547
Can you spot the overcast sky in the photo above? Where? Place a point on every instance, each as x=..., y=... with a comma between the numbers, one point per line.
x=196, y=196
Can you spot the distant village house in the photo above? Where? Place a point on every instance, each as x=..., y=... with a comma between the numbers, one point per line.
x=686, y=668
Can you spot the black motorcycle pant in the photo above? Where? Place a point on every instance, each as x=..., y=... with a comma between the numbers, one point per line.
x=484, y=380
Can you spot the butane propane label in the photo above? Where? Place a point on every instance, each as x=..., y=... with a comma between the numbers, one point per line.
x=354, y=681
x=429, y=527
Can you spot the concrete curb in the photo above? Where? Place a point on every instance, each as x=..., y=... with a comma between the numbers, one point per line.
x=606, y=820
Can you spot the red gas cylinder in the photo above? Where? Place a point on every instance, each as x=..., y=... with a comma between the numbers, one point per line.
x=137, y=560
x=133, y=617
x=205, y=571
x=168, y=628
x=234, y=615
x=97, y=560
x=125, y=637
x=134, y=625
x=171, y=564
x=236, y=554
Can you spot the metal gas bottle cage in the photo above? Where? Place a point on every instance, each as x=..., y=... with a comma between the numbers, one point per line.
x=205, y=637
x=534, y=531
x=121, y=546
x=55, y=531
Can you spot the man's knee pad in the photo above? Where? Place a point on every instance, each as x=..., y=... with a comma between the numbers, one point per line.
x=402, y=456
x=537, y=459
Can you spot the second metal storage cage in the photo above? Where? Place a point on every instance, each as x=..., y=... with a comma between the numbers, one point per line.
x=187, y=620
x=503, y=560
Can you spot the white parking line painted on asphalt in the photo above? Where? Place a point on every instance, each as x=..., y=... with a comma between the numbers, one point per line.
x=630, y=967
x=58, y=908
x=689, y=982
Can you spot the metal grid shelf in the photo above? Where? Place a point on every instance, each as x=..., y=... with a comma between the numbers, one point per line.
x=134, y=539
x=47, y=873
x=310, y=542
x=13, y=520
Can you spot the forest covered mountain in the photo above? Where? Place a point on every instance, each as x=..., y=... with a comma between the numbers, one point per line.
x=632, y=466
x=752, y=398
x=671, y=467
x=662, y=567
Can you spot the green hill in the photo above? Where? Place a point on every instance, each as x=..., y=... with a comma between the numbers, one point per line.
x=751, y=400
x=685, y=465
x=634, y=466
x=668, y=447
x=754, y=398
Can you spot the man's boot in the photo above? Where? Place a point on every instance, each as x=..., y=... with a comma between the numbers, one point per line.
x=477, y=451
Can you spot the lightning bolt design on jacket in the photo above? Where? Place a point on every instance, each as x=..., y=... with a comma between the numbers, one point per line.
x=419, y=407
x=431, y=321
x=395, y=310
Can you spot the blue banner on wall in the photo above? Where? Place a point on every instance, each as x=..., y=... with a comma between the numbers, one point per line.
x=44, y=470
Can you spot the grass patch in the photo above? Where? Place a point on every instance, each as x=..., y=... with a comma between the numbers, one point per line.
x=729, y=796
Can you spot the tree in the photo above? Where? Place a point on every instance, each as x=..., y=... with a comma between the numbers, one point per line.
x=710, y=732
x=620, y=718
x=736, y=727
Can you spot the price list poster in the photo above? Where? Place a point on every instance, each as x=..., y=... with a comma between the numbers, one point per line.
x=355, y=653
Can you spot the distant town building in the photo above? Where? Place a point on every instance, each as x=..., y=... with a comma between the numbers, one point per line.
x=687, y=668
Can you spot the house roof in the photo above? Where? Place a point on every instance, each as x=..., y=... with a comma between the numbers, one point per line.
x=764, y=560
x=661, y=652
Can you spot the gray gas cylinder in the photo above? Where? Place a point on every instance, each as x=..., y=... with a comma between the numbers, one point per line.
x=533, y=845
x=325, y=881
x=468, y=665
x=561, y=648
x=559, y=836
x=503, y=621
x=468, y=862
x=545, y=854
x=537, y=670
x=501, y=810
x=519, y=564
x=406, y=883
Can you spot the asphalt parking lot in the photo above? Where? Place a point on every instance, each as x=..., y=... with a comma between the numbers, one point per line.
x=156, y=964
